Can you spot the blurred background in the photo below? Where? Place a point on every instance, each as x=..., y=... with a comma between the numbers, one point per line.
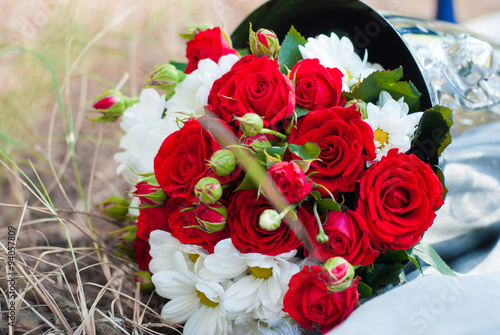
x=87, y=46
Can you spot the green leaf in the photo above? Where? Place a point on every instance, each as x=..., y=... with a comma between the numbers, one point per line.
x=306, y=151
x=274, y=151
x=385, y=274
x=415, y=261
x=433, y=134
x=316, y=195
x=440, y=175
x=301, y=111
x=392, y=257
x=243, y=52
x=254, y=174
x=370, y=88
x=289, y=53
x=271, y=160
x=325, y=204
x=328, y=204
x=364, y=290
x=426, y=253
x=179, y=65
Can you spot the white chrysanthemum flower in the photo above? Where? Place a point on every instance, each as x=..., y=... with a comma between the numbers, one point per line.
x=392, y=126
x=334, y=52
x=194, y=300
x=261, y=281
x=145, y=131
x=191, y=95
x=166, y=251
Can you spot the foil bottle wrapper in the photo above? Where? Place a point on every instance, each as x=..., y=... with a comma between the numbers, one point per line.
x=461, y=70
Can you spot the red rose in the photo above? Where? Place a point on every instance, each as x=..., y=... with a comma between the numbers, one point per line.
x=254, y=85
x=182, y=159
x=316, y=86
x=347, y=238
x=181, y=222
x=141, y=253
x=397, y=198
x=290, y=181
x=150, y=219
x=346, y=143
x=247, y=236
x=207, y=44
x=309, y=302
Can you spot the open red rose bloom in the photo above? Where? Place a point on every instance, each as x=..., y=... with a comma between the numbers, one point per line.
x=318, y=198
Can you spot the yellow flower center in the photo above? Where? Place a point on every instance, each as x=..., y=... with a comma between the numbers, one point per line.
x=380, y=136
x=349, y=77
x=263, y=273
x=194, y=257
x=205, y=301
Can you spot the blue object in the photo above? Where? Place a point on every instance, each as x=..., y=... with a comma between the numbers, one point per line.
x=445, y=11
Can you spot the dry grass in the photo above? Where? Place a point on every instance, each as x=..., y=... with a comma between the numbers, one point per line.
x=57, y=165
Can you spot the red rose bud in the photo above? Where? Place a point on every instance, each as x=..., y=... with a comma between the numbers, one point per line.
x=269, y=220
x=115, y=207
x=165, y=78
x=257, y=143
x=222, y=162
x=251, y=124
x=212, y=218
x=357, y=105
x=208, y=190
x=264, y=42
x=107, y=102
x=338, y=274
x=290, y=180
x=144, y=278
x=111, y=104
x=150, y=192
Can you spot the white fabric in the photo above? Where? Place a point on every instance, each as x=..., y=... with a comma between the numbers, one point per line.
x=466, y=225
x=434, y=304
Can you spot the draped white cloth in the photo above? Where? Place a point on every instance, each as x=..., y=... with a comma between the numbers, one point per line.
x=466, y=234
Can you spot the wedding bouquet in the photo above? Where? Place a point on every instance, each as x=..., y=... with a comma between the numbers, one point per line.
x=276, y=189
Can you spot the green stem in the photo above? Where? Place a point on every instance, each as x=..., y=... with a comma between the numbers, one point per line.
x=286, y=210
x=290, y=126
x=321, y=236
x=273, y=132
x=324, y=188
